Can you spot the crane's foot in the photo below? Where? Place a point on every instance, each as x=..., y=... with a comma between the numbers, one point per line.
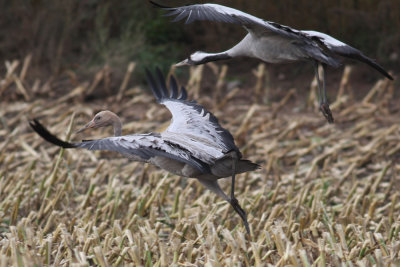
x=326, y=111
x=241, y=212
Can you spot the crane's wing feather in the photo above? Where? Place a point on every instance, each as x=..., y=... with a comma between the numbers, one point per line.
x=215, y=12
x=144, y=146
x=344, y=50
x=190, y=121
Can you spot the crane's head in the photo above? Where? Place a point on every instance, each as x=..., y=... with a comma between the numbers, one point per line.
x=101, y=119
x=196, y=58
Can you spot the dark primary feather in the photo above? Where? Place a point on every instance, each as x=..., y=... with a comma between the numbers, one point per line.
x=183, y=95
x=46, y=135
x=153, y=86
x=160, y=89
x=157, y=4
x=174, y=87
x=353, y=53
x=162, y=84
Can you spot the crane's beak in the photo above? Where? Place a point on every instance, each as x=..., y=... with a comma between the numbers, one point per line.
x=182, y=63
x=90, y=124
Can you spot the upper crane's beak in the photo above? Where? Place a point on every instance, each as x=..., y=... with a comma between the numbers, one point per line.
x=90, y=124
x=182, y=63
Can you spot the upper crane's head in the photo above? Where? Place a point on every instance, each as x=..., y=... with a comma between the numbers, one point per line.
x=196, y=58
x=102, y=119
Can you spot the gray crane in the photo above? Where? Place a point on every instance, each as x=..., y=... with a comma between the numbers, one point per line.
x=273, y=43
x=194, y=145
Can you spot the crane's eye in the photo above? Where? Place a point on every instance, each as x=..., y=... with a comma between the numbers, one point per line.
x=97, y=118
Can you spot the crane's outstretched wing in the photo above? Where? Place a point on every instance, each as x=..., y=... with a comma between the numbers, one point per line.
x=141, y=146
x=191, y=125
x=215, y=12
x=344, y=50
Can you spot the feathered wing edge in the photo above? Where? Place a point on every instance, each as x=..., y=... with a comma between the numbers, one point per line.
x=203, y=12
x=353, y=53
x=46, y=135
x=159, y=87
x=106, y=144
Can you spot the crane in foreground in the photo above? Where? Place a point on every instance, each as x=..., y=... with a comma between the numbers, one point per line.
x=273, y=43
x=194, y=145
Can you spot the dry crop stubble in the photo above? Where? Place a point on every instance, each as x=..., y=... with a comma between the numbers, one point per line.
x=326, y=194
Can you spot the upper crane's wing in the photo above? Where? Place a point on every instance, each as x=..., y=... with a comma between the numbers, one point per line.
x=344, y=50
x=142, y=147
x=192, y=126
x=215, y=12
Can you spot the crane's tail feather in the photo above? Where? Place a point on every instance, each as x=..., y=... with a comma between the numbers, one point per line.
x=46, y=135
x=246, y=166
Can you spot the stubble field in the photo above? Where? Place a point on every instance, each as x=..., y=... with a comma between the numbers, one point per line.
x=326, y=195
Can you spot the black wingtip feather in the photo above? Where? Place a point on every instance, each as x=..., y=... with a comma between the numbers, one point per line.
x=158, y=5
x=183, y=95
x=173, y=86
x=373, y=64
x=351, y=52
x=153, y=85
x=46, y=135
x=161, y=83
x=160, y=89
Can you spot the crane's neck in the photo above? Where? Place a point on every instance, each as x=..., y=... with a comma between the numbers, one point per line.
x=117, y=124
x=243, y=48
x=203, y=57
x=216, y=56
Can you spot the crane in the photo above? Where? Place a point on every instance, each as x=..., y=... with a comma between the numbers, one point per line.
x=194, y=145
x=272, y=43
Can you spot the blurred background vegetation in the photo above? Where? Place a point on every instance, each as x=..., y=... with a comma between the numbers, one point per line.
x=84, y=35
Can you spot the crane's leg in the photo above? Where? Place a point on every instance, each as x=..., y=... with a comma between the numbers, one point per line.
x=214, y=187
x=323, y=101
x=234, y=202
x=234, y=163
x=235, y=205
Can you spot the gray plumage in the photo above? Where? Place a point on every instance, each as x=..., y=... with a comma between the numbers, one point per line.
x=194, y=145
x=271, y=42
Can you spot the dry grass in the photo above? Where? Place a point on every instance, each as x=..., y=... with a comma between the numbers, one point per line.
x=327, y=195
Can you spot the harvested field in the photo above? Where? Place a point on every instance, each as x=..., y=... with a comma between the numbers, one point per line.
x=327, y=195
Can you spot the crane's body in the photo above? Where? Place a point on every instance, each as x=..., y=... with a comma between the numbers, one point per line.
x=194, y=145
x=273, y=43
